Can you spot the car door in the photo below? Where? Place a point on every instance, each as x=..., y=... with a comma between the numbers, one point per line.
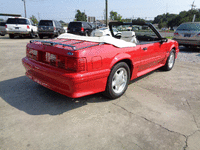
x=150, y=55
x=152, y=49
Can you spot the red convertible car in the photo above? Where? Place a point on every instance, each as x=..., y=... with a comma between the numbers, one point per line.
x=77, y=66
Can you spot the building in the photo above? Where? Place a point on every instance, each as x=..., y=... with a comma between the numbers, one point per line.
x=91, y=19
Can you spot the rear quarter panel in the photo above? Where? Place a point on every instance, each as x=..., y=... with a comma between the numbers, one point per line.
x=106, y=56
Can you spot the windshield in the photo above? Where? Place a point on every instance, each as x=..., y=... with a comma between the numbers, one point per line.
x=140, y=30
x=189, y=27
x=46, y=23
x=17, y=21
x=115, y=30
x=75, y=24
x=103, y=28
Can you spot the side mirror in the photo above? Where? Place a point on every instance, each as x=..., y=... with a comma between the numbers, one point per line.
x=164, y=40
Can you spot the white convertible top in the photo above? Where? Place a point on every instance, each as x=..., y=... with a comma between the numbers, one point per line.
x=103, y=39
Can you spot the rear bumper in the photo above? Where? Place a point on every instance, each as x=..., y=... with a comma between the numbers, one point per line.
x=47, y=33
x=187, y=42
x=73, y=85
x=77, y=33
x=18, y=32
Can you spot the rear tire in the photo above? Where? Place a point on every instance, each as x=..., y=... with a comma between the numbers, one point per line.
x=170, y=61
x=51, y=36
x=32, y=34
x=118, y=81
x=58, y=33
x=41, y=36
x=11, y=36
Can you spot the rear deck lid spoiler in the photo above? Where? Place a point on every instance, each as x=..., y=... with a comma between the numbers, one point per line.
x=75, y=45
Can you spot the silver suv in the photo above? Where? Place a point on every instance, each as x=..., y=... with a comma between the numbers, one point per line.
x=19, y=26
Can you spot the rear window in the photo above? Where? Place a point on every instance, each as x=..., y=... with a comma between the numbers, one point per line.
x=17, y=21
x=46, y=23
x=189, y=27
x=2, y=23
x=75, y=24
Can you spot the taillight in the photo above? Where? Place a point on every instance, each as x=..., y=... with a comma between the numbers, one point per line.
x=28, y=27
x=82, y=29
x=6, y=26
x=54, y=28
x=76, y=64
x=70, y=63
x=176, y=34
x=198, y=34
x=33, y=54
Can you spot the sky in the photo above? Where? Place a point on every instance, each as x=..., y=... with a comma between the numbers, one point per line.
x=66, y=9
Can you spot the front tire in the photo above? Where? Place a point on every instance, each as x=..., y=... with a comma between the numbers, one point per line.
x=118, y=80
x=170, y=61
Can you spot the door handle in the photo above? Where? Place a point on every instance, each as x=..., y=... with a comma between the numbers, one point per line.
x=145, y=48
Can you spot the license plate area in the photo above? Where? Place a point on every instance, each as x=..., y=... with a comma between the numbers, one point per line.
x=16, y=27
x=187, y=35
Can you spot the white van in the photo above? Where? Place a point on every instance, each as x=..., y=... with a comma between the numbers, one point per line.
x=21, y=26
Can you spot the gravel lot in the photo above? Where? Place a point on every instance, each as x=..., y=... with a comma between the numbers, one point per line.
x=189, y=55
x=159, y=111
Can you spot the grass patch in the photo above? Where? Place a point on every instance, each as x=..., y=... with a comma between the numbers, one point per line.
x=169, y=37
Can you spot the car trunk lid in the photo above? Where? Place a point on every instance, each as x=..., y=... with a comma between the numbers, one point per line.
x=187, y=34
x=66, y=44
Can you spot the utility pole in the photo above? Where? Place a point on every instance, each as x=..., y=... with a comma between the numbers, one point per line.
x=106, y=13
x=194, y=18
x=24, y=7
x=38, y=16
x=84, y=16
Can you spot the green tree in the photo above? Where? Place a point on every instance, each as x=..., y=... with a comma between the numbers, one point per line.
x=184, y=16
x=126, y=20
x=62, y=22
x=115, y=16
x=162, y=20
x=34, y=19
x=80, y=16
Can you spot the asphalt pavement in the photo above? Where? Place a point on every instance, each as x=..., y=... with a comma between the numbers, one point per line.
x=159, y=111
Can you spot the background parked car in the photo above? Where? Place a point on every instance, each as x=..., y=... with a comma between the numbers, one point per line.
x=65, y=28
x=101, y=32
x=80, y=28
x=188, y=34
x=20, y=26
x=2, y=28
x=50, y=28
x=105, y=31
